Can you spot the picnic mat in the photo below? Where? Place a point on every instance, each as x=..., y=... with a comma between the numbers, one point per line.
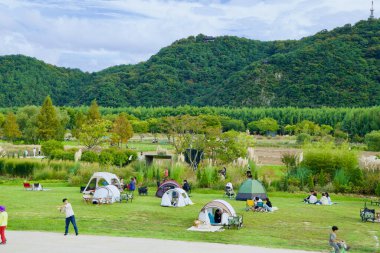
x=206, y=228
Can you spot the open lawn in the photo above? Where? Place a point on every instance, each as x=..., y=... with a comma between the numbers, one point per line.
x=295, y=226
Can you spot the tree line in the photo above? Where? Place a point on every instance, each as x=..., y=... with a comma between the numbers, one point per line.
x=33, y=124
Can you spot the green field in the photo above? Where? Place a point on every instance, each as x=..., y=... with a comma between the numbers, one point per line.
x=295, y=225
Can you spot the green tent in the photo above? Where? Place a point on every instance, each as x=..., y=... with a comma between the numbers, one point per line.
x=250, y=189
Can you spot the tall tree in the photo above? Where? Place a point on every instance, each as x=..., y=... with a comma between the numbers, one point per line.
x=93, y=134
x=47, y=121
x=11, y=129
x=93, y=112
x=122, y=129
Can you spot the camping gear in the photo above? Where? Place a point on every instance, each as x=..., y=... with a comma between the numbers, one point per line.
x=367, y=214
x=126, y=196
x=176, y=197
x=37, y=187
x=28, y=187
x=235, y=221
x=106, y=195
x=143, y=190
x=206, y=215
x=101, y=179
x=167, y=185
x=229, y=191
x=250, y=189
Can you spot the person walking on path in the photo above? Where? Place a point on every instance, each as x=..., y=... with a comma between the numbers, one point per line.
x=68, y=209
x=3, y=224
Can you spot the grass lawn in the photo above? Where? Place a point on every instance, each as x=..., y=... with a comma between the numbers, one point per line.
x=295, y=225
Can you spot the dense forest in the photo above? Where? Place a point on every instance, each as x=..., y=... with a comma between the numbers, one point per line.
x=338, y=68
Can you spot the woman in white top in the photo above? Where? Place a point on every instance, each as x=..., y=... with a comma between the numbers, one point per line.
x=324, y=199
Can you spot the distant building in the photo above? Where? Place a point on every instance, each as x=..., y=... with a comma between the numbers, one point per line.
x=208, y=39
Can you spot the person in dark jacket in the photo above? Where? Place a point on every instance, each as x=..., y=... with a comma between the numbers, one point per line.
x=186, y=186
x=218, y=216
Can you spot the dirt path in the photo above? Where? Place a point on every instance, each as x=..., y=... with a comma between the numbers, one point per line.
x=43, y=242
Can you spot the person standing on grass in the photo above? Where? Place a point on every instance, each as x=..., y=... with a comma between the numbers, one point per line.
x=336, y=243
x=3, y=224
x=67, y=208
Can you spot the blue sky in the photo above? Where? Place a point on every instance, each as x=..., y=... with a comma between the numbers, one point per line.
x=95, y=34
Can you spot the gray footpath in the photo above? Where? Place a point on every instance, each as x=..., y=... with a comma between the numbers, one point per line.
x=44, y=242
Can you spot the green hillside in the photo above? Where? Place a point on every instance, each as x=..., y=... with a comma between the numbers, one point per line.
x=332, y=68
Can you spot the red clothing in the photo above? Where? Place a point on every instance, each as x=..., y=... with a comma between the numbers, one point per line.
x=2, y=234
x=166, y=173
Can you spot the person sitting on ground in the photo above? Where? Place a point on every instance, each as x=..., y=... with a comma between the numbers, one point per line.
x=336, y=243
x=324, y=200
x=218, y=216
x=328, y=198
x=313, y=199
x=257, y=200
x=268, y=205
x=306, y=200
x=186, y=186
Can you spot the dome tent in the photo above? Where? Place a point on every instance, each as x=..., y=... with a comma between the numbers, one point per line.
x=101, y=179
x=209, y=210
x=176, y=197
x=250, y=189
x=167, y=185
x=106, y=194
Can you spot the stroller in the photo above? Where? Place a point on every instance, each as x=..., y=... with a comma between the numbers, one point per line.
x=367, y=214
x=229, y=191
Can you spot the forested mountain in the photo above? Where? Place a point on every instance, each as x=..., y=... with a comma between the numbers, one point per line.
x=332, y=68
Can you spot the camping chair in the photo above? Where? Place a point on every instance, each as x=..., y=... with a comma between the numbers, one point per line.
x=229, y=192
x=249, y=205
x=235, y=221
x=28, y=187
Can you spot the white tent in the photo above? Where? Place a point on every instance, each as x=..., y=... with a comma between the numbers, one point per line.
x=210, y=208
x=176, y=197
x=106, y=195
x=101, y=179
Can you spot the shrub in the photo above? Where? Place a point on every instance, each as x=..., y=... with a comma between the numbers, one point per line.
x=372, y=140
x=90, y=156
x=62, y=155
x=303, y=138
x=117, y=157
x=377, y=190
x=48, y=146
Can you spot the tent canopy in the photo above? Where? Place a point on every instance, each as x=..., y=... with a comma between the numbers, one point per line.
x=209, y=210
x=167, y=185
x=176, y=197
x=102, y=179
x=250, y=189
x=106, y=194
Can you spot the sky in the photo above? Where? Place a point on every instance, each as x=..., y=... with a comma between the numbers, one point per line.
x=95, y=34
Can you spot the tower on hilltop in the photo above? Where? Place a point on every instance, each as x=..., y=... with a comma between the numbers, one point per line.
x=372, y=10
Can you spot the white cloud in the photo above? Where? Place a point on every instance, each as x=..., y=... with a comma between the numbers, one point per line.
x=95, y=34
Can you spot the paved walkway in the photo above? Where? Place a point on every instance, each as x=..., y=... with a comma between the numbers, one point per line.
x=42, y=242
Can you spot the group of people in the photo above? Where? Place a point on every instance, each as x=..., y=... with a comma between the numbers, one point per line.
x=313, y=199
x=260, y=206
x=131, y=186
